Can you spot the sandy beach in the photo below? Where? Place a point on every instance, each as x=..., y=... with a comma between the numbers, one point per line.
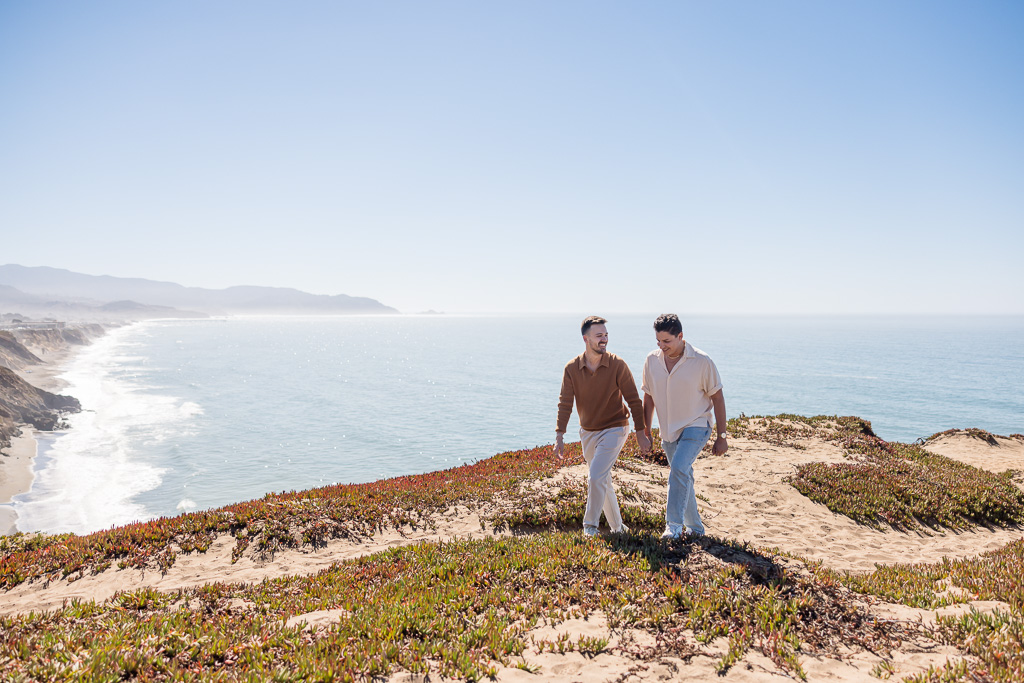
x=17, y=461
x=47, y=374
x=15, y=475
x=744, y=499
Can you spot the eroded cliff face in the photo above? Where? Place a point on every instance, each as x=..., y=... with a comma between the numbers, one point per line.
x=13, y=354
x=55, y=340
x=20, y=402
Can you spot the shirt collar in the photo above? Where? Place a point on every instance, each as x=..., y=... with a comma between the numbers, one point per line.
x=688, y=351
x=581, y=361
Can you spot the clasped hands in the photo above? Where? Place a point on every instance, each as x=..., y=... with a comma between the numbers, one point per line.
x=644, y=440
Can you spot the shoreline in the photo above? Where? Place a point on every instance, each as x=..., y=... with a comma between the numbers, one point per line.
x=17, y=472
x=17, y=463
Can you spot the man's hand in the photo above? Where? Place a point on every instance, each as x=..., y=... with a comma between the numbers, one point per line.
x=644, y=440
x=720, y=447
x=559, y=447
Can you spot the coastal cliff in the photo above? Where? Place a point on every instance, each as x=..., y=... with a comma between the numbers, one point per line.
x=20, y=401
x=20, y=348
x=49, y=340
x=13, y=354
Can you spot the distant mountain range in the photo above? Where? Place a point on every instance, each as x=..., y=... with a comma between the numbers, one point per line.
x=53, y=292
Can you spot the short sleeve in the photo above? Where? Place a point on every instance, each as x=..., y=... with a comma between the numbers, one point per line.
x=711, y=379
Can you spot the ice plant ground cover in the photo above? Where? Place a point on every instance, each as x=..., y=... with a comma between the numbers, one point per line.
x=884, y=482
x=290, y=520
x=995, y=639
x=278, y=521
x=905, y=486
x=461, y=608
x=466, y=608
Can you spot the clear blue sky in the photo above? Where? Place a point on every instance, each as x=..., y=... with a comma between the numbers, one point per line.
x=699, y=157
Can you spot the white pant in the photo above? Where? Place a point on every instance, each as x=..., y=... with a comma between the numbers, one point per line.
x=601, y=450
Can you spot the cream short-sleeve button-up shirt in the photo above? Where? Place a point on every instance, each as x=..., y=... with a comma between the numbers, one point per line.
x=682, y=398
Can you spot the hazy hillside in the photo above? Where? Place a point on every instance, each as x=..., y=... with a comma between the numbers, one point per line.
x=60, y=287
x=15, y=301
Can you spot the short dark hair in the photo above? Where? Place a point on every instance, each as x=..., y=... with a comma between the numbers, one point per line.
x=591, y=320
x=668, y=322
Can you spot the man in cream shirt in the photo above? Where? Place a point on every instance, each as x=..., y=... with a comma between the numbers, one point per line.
x=682, y=383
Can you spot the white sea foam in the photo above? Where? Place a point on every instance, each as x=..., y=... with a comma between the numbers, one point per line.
x=87, y=476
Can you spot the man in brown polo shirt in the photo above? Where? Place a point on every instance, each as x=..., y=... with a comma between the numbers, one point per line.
x=599, y=382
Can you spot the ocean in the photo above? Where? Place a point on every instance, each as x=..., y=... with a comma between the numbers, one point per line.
x=182, y=415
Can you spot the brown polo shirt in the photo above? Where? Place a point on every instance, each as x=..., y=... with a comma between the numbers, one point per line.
x=599, y=395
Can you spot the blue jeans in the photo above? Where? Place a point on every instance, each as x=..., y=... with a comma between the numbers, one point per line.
x=682, y=499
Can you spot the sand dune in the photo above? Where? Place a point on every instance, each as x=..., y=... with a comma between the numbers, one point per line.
x=1003, y=453
x=750, y=501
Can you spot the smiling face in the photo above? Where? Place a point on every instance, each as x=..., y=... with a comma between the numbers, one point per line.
x=596, y=338
x=670, y=344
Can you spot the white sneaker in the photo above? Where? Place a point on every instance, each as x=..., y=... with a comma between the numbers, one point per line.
x=672, y=532
x=622, y=529
x=590, y=531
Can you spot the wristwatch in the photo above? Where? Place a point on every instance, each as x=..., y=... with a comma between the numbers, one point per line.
x=722, y=435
